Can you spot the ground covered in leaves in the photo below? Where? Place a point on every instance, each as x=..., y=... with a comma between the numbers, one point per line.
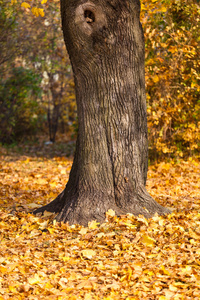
x=124, y=258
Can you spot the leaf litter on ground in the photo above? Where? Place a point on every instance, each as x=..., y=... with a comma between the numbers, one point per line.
x=126, y=257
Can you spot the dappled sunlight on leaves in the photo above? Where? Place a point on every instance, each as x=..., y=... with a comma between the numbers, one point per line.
x=126, y=257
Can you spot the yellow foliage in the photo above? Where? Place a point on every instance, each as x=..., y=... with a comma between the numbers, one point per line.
x=36, y=11
x=148, y=241
x=25, y=5
x=171, y=31
x=41, y=12
x=126, y=257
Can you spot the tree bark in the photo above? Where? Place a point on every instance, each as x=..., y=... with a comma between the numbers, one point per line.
x=105, y=43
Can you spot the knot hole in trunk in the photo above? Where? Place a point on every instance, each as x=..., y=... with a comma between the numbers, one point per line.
x=89, y=16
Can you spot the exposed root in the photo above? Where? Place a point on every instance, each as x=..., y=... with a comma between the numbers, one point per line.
x=54, y=206
x=85, y=208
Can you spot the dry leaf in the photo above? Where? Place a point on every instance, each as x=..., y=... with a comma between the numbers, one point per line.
x=88, y=253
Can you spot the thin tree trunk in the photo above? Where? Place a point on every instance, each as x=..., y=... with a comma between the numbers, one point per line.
x=105, y=43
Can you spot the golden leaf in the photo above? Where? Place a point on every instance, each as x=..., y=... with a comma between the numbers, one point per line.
x=83, y=231
x=85, y=284
x=100, y=234
x=35, y=11
x=43, y=225
x=40, y=180
x=66, y=258
x=110, y=213
x=33, y=205
x=88, y=297
x=143, y=220
x=3, y=270
x=148, y=241
x=47, y=214
x=25, y=5
x=41, y=12
x=34, y=280
x=165, y=271
x=12, y=288
x=163, y=9
x=88, y=253
x=93, y=224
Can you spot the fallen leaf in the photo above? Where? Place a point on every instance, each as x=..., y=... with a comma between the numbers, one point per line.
x=88, y=253
x=148, y=241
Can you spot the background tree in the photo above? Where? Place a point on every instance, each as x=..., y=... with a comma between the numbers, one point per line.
x=18, y=103
x=105, y=43
x=48, y=55
x=8, y=37
x=37, y=45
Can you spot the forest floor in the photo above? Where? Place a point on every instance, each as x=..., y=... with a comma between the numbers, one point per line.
x=126, y=257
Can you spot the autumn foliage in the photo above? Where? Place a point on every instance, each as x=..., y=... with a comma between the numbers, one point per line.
x=126, y=257
x=171, y=30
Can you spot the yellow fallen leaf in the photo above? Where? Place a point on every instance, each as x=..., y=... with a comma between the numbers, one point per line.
x=48, y=286
x=186, y=270
x=88, y=253
x=34, y=233
x=43, y=225
x=148, y=241
x=100, y=234
x=110, y=213
x=33, y=205
x=51, y=230
x=47, y=214
x=85, y=284
x=53, y=184
x=83, y=231
x=130, y=225
x=93, y=224
x=3, y=270
x=34, y=280
x=12, y=289
x=88, y=297
x=24, y=288
x=165, y=271
x=41, y=181
x=62, y=282
x=143, y=220
x=66, y=258
x=172, y=288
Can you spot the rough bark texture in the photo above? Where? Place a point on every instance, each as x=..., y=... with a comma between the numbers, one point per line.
x=104, y=39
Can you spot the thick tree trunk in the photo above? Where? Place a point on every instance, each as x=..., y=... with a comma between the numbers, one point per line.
x=105, y=43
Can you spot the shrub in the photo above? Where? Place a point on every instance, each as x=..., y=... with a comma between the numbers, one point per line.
x=18, y=104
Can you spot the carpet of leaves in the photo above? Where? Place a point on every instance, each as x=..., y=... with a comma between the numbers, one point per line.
x=126, y=257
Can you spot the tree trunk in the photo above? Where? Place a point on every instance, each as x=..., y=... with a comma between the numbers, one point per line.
x=105, y=43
